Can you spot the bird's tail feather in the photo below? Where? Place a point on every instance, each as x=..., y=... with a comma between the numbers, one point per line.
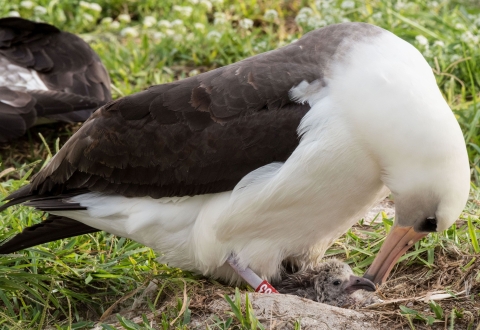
x=52, y=229
x=18, y=196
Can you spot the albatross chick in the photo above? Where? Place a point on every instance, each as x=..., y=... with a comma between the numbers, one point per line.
x=332, y=282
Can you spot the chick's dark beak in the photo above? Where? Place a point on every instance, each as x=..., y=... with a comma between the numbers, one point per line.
x=359, y=283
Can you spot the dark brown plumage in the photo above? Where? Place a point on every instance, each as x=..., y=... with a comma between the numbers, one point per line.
x=76, y=81
x=195, y=136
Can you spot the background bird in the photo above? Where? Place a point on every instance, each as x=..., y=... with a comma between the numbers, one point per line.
x=46, y=75
x=270, y=158
x=331, y=282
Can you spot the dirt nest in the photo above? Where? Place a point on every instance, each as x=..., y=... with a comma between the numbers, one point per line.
x=277, y=311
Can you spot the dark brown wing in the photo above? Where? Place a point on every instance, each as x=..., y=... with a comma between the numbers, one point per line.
x=195, y=136
x=63, y=60
x=78, y=83
x=17, y=113
x=20, y=109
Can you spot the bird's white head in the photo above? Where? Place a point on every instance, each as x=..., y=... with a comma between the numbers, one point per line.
x=399, y=116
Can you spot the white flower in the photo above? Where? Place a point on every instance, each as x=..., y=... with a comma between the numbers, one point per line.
x=149, y=21
x=323, y=4
x=124, y=18
x=301, y=19
x=39, y=10
x=199, y=26
x=303, y=15
x=158, y=35
x=177, y=23
x=432, y=4
x=13, y=14
x=330, y=19
x=106, y=21
x=129, y=32
x=88, y=17
x=460, y=26
x=455, y=57
x=377, y=15
x=115, y=25
x=400, y=5
x=27, y=4
x=183, y=10
x=220, y=18
x=193, y=2
x=214, y=35
x=91, y=6
x=95, y=7
x=190, y=37
x=439, y=43
x=469, y=38
x=170, y=33
x=260, y=47
x=306, y=11
x=348, y=4
x=422, y=40
x=270, y=15
x=206, y=4
x=427, y=53
x=84, y=5
x=246, y=23
x=194, y=72
x=315, y=22
x=164, y=24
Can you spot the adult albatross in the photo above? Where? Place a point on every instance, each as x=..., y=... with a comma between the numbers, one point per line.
x=270, y=158
x=46, y=75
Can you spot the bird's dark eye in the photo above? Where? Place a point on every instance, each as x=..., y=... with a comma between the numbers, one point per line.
x=429, y=225
x=336, y=282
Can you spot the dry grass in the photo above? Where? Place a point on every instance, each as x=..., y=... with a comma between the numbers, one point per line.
x=415, y=286
x=411, y=286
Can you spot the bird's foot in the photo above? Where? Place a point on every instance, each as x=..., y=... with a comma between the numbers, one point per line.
x=261, y=286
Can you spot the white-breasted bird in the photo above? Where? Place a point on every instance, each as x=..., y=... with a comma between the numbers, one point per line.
x=270, y=158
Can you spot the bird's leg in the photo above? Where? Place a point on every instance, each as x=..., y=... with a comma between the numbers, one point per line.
x=261, y=286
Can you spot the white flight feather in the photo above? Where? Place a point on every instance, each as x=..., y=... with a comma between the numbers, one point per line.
x=12, y=75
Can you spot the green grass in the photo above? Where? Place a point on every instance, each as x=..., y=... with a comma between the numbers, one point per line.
x=69, y=284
